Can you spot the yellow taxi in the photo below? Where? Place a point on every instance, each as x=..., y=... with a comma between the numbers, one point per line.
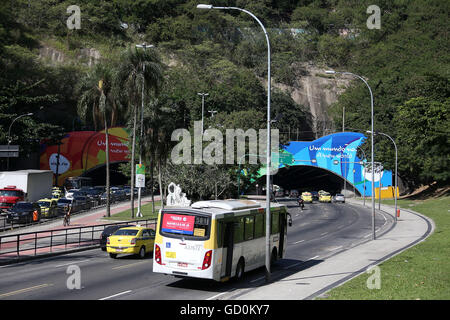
x=49, y=207
x=325, y=197
x=131, y=240
x=307, y=197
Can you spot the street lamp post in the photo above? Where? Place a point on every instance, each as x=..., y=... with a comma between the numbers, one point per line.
x=396, y=174
x=203, y=94
x=9, y=135
x=142, y=46
x=372, y=152
x=364, y=187
x=268, y=151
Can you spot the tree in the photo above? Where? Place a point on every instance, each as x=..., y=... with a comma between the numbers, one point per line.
x=138, y=70
x=97, y=97
x=424, y=152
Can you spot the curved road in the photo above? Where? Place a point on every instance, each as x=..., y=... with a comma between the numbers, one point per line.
x=318, y=232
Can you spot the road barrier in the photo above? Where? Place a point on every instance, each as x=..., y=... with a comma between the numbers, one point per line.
x=23, y=246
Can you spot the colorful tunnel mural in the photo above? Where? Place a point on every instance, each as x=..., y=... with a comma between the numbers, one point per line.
x=81, y=151
x=338, y=153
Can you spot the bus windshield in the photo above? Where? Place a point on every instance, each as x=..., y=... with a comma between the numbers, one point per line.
x=189, y=226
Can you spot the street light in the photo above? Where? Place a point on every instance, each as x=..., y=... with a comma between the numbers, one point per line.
x=9, y=135
x=203, y=94
x=396, y=175
x=268, y=151
x=372, y=152
x=141, y=46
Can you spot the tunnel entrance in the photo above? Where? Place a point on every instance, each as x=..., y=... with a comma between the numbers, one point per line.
x=311, y=178
x=98, y=175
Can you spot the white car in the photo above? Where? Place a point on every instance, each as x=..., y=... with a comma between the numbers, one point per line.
x=339, y=198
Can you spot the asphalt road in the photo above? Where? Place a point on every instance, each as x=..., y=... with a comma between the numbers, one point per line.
x=318, y=232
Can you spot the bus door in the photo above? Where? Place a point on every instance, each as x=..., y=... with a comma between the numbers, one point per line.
x=282, y=233
x=228, y=244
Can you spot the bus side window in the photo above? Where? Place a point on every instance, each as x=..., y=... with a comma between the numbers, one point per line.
x=275, y=222
x=238, y=230
x=259, y=226
x=249, y=226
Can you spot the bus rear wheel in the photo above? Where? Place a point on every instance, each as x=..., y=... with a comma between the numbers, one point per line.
x=273, y=257
x=240, y=269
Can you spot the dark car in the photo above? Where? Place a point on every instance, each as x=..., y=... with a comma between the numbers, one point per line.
x=112, y=198
x=81, y=201
x=315, y=195
x=109, y=230
x=24, y=212
x=63, y=205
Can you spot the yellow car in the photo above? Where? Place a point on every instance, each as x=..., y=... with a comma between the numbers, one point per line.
x=325, y=197
x=49, y=207
x=307, y=197
x=131, y=240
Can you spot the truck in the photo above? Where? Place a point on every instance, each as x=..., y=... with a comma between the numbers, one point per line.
x=24, y=185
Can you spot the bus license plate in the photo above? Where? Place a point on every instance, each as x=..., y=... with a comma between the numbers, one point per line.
x=171, y=255
x=182, y=264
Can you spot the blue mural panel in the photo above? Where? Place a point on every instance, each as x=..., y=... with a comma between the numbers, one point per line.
x=337, y=153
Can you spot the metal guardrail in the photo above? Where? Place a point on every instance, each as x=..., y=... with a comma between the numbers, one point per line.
x=21, y=246
x=94, y=205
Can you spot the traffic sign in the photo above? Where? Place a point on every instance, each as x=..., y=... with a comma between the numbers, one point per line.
x=9, y=151
x=140, y=176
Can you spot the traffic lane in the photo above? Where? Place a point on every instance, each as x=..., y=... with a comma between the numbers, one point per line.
x=319, y=219
x=99, y=276
x=129, y=278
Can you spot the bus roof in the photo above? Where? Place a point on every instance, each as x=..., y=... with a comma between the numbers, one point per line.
x=229, y=205
x=220, y=207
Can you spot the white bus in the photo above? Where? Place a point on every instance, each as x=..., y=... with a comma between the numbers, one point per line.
x=217, y=239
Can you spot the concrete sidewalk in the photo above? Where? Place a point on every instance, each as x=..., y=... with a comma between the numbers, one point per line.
x=410, y=229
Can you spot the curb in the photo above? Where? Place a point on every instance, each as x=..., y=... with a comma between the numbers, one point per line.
x=430, y=230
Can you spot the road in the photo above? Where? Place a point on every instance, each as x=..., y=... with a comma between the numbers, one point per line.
x=318, y=232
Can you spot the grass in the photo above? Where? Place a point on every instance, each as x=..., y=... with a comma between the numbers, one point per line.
x=145, y=209
x=421, y=272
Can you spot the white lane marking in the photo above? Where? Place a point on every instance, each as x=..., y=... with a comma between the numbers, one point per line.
x=322, y=234
x=115, y=295
x=260, y=278
x=298, y=241
x=218, y=295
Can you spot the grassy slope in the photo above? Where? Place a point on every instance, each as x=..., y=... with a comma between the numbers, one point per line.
x=421, y=272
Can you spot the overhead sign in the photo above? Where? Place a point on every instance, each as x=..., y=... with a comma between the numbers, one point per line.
x=9, y=151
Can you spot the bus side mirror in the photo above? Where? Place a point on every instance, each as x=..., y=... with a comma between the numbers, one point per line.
x=290, y=222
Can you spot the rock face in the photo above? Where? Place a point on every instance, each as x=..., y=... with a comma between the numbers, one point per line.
x=316, y=92
x=88, y=56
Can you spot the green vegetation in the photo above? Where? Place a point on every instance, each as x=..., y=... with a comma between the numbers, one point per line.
x=223, y=53
x=421, y=272
x=146, y=210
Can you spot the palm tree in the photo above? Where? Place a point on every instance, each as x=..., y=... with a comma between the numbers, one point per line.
x=97, y=98
x=162, y=116
x=137, y=68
